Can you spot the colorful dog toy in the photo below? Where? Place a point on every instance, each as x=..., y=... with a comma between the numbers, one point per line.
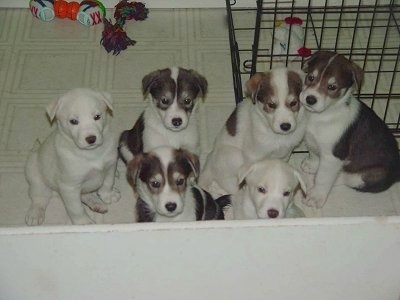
x=114, y=37
x=89, y=12
x=290, y=26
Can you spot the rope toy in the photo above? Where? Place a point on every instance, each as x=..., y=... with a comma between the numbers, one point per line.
x=88, y=12
x=114, y=37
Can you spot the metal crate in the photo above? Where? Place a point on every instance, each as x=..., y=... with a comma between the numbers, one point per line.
x=365, y=31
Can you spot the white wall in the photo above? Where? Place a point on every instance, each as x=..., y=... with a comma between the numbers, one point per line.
x=205, y=3
x=341, y=258
x=149, y=3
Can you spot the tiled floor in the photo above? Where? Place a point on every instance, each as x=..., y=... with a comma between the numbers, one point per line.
x=39, y=61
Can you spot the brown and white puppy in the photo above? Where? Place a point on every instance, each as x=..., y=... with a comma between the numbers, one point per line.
x=266, y=191
x=162, y=180
x=343, y=134
x=268, y=126
x=170, y=118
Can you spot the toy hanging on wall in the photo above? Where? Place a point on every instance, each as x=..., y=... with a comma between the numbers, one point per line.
x=88, y=13
x=291, y=26
x=114, y=37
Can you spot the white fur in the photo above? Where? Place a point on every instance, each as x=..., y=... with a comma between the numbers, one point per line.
x=265, y=190
x=258, y=136
x=155, y=135
x=68, y=164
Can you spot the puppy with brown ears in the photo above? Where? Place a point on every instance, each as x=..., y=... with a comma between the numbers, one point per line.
x=344, y=136
x=162, y=180
x=171, y=116
x=266, y=191
x=269, y=125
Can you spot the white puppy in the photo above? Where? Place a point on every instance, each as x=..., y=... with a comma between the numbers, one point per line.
x=266, y=191
x=79, y=157
x=269, y=126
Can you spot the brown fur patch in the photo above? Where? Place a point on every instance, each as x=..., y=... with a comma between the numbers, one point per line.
x=184, y=164
x=295, y=85
x=231, y=123
x=346, y=74
x=145, y=167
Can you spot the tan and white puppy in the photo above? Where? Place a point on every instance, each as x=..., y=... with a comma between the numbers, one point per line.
x=268, y=126
x=171, y=116
x=77, y=159
x=344, y=136
x=266, y=191
x=162, y=180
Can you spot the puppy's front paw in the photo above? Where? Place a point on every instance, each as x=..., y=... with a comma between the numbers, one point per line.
x=315, y=198
x=94, y=203
x=35, y=216
x=309, y=166
x=109, y=197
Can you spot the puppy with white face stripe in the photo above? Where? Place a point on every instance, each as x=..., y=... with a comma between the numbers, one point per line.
x=344, y=136
x=269, y=125
x=171, y=116
x=162, y=180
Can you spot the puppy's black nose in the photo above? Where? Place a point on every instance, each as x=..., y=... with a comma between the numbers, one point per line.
x=91, y=139
x=170, y=206
x=177, y=122
x=311, y=100
x=272, y=213
x=285, y=126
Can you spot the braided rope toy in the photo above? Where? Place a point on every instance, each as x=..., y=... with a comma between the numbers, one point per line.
x=114, y=37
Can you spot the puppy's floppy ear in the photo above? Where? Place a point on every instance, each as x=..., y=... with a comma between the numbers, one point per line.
x=148, y=81
x=52, y=107
x=192, y=160
x=106, y=97
x=201, y=82
x=358, y=75
x=301, y=181
x=323, y=55
x=244, y=170
x=306, y=65
x=133, y=170
x=253, y=85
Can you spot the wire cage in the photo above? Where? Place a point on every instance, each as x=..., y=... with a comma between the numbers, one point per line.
x=365, y=31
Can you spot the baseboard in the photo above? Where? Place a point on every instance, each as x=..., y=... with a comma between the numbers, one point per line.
x=149, y=3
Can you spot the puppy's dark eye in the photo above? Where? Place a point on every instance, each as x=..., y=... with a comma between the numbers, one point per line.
x=180, y=181
x=74, y=122
x=261, y=190
x=332, y=87
x=97, y=117
x=310, y=77
x=187, y=101
x=272, y=105
x=293, y=103
x=155, y=184
x=287, y=193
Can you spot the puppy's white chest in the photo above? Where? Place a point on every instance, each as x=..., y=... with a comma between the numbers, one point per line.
x=93, y=180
